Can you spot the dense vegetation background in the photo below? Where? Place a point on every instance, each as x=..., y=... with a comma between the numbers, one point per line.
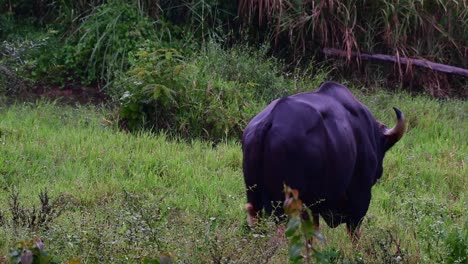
x=160, y=59
x=195, y=72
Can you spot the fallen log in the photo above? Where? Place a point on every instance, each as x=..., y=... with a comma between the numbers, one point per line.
x=401, y=60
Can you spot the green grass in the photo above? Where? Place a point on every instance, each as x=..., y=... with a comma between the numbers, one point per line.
x=130, y=196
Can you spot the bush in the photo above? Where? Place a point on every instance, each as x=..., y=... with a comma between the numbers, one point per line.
x=243, y=64
x=211, y=95
x=105, y=38
x=45, y=60
x=155, y=79
x=94, y=52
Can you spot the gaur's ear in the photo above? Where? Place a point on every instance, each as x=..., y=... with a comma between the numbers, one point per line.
x=394, y=134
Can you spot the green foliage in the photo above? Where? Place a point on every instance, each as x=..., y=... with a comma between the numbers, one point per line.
x=30, y=252
x=15, y=53
x=457, y=245
x=40, y=60
x=92, y=38
x=6, y=24
x=104, y=39
x=93, y=52
x=156, y=78
x=331, y=255
x=245, y=65
x=435, y=30
x=300, y=231
x=209, y=95
x=407, y=27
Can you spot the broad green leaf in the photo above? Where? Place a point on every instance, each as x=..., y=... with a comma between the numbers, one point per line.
x=295, y=253
x=292, y=226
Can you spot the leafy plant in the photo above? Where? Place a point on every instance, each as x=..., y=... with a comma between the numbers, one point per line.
x=155, y=79
x=31, y=252
x=45, y=61
x=104, y=39
x=299, y=231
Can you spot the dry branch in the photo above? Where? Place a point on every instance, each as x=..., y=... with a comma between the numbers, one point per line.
x=401, y=60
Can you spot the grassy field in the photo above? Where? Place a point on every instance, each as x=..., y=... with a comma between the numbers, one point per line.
x=120, y=197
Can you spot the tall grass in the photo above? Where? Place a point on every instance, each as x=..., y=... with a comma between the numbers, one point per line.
x=434, y=30
x=130, y=196
x=105, y=37
x=415, y=28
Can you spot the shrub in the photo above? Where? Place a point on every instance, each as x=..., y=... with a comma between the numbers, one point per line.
x=167, y=92
x=104, y=39
x=212, y=94
x=155, y=79
x=245, y=65
x=93, y=52
x=46, y=61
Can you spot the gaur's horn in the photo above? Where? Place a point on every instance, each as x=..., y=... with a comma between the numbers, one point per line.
x=399, y=129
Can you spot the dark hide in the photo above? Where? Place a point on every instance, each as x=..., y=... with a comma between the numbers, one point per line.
x=326, y=144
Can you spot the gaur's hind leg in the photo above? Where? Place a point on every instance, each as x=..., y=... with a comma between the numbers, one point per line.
x=316, y=222
x=252, y=214
x=252, y=173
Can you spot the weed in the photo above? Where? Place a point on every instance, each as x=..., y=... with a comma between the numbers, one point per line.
x=385, y=246
x=32, y=218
